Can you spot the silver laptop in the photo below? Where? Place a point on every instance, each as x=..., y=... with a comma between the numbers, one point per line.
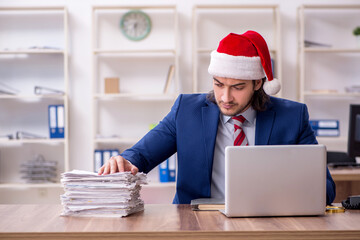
x=275, y=180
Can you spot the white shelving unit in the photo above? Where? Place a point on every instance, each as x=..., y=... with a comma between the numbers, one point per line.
x=325, y=71
x=121, y=119
x=211, y=23
x=40, y=60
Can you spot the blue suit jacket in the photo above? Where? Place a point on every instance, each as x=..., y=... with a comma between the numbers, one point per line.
x=190, y=130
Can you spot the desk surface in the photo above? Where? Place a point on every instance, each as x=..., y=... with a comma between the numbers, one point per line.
x=171, y=221
x=345, y=174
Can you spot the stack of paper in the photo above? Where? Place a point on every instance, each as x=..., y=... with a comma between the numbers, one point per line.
x=39, y=170
x=90, y=194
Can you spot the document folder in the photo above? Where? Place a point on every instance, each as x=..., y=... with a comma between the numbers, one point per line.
x=56, y=121
x=52, y=121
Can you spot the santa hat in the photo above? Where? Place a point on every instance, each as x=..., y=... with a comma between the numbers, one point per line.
x=245, y=56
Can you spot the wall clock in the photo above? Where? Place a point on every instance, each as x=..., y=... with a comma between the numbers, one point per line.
x=135, y=25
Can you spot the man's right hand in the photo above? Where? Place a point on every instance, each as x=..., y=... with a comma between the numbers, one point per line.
x=117, y=164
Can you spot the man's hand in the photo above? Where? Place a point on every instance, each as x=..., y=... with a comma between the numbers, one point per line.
x=117, y=164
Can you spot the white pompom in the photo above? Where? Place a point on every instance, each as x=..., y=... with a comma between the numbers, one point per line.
x=272, y=87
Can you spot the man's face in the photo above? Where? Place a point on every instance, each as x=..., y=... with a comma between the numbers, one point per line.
x=233, y=96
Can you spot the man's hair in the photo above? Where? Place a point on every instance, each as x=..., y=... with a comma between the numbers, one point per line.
x=258, y=101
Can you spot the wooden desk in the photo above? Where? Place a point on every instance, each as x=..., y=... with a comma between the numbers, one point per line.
x=171, y=222
x=347, y=182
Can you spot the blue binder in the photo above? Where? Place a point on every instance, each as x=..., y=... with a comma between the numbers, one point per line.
x=56, y=121
x=98, y=160
x=172, y=168
x=102, y=155
x=325, y=127
x=106, y=154
x=164, y=171
x=52, y=112
x=324, y=124
x=60, y=116
x=325, y=132
x=114, y=152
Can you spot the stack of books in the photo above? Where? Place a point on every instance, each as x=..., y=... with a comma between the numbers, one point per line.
x=39, y=170
x=90, y=194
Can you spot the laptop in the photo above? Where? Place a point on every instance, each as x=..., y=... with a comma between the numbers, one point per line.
x=275, y=180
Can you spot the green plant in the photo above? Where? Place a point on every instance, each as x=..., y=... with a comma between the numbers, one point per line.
x=356, y=31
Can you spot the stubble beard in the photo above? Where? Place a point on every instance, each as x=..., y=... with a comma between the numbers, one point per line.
x=236, y=111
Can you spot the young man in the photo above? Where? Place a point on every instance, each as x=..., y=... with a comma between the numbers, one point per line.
x=238, y=111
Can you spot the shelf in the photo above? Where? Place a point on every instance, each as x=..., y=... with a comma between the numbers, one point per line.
x=117, y=140
x=217, y=7
x=42, y=141
x=40, y=8
x=136, y=51
x=133, y=7
x=142, y=89
x=207, y=50
x=326, y=7
x=315, y=23
x=35, y=51
x=138, y=96
x=332, y=50
x=326, y=94
x=23, y=97
x=33, y=56
x=30, y=185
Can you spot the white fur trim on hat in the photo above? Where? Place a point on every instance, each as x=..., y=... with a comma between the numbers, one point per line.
x=272, y=87
x=238, y=67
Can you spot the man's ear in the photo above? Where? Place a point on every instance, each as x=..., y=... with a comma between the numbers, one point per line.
x=258, y=84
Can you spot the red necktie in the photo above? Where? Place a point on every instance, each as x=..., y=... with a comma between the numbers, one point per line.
x=239, y=134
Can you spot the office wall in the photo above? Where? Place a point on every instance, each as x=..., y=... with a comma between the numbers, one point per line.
x=80, y=64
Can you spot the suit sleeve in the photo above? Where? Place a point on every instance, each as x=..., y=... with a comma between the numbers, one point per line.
x=307, y=136
x=157, y=145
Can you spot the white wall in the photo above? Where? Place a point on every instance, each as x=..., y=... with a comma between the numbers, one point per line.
x=80, y=62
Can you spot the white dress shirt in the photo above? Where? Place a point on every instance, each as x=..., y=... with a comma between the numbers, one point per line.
x=225, y=137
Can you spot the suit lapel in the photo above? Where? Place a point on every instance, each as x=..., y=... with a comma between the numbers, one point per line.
x=210, y=121
x=264, y=125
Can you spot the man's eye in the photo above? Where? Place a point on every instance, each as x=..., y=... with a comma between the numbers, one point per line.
x=239, y=88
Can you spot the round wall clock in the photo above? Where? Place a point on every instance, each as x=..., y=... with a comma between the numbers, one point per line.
x=135, y=25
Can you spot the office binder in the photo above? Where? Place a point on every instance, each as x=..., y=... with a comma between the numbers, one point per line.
x=103, y=155
x=324, y=124
x=164, y=171
x=98, y=160
x=56, y=121
x=60, y=121
x=52, y=121
x=171, y=168
x=325, y=128
x=114, y=152
x=106, y=155
x=327, y=132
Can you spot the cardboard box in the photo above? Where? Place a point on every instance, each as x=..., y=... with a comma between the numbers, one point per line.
x=112, y=85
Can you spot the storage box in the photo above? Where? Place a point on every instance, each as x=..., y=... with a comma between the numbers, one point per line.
x=112, y=85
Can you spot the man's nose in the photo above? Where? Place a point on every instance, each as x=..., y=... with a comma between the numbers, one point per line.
x=227, y=97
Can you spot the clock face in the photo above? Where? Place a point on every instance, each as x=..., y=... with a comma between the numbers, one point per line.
x=135, y=25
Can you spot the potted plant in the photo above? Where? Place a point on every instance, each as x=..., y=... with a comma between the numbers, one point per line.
x=356, y=33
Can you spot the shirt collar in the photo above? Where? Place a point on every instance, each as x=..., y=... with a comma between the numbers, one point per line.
x=249, y=115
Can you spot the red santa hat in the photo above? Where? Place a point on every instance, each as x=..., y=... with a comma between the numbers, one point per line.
x=244, y=56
